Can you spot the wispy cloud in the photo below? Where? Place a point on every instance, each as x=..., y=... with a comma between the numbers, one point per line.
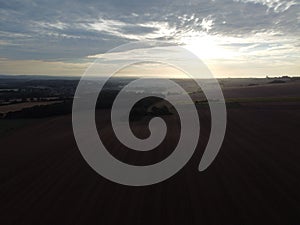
x=276, y=5
x=234, y=30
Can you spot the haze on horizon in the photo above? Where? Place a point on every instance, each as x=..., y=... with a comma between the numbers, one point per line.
x=235, y=38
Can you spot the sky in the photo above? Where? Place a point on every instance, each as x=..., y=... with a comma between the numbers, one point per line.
x=234, y=38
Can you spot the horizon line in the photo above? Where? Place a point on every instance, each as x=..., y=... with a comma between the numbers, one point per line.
x=217, y=77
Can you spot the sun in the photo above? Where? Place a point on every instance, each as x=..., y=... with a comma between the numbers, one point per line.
x=208, y=47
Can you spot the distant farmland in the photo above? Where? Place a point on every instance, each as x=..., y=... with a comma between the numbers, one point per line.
x=23, y=105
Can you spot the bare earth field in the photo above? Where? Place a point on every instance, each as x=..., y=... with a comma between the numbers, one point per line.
x=254, y=179
x=233, y=91
x=265, y=90
x=23, y=105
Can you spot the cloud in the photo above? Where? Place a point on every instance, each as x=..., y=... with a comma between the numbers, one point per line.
x=74, y=29
x=139, y=31
x=276, y=5
x=207, y=24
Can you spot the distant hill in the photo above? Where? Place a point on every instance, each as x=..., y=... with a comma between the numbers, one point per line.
x=38, y=77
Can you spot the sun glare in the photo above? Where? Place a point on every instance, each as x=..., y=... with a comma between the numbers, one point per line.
x=207, y=47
